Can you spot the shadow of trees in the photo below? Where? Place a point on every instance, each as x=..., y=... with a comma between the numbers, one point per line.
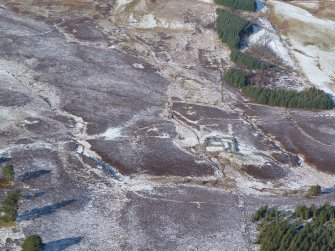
x=61, y=244
x=32, y=175
x=38, y=212
x=32, y=196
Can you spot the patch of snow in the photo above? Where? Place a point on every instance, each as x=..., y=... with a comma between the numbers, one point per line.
x=289, y=10
x=310, y=5
x=191, y=113
x=206, y=1
x=13, y=233
x=148, y=22
x=112, y=133
x=318, y=66
x=139, y=184
x=259, y=5
x=164, y=136
x=230, y=129
x=80, y=149
x=132, y=19
x=7, y=74
x=305, y=177
x=138, y=66
x=120, y=4
x=177, y=25
x=79, y=126
x=154, y=129
x=187, y=137
x=313, y=47
x=249, y=155
x=272, y=41
x=30, y=122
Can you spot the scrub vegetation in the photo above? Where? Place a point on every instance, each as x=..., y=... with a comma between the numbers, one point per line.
x=8, y=172
x=7, y=176
x=314, y=191
x=32, y=243
x=9, y=207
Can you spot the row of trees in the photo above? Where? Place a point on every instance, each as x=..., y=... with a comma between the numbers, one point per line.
x=312, y=98
x=306, y=229
x=231, y=28
x=249, y=5
x=246, y=60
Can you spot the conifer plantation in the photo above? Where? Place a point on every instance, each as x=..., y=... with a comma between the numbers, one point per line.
x=236, y=77
x=305, y=229
x=312, y=98
x=231, y=28
x=249, y=5
x=247, y=61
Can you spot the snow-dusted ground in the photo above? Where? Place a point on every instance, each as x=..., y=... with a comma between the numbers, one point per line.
x=143, y=210
x=267, y=36
x=120, y=4
x=311, y=41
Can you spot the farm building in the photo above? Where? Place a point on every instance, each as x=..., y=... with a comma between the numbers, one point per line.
x=221, y=144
